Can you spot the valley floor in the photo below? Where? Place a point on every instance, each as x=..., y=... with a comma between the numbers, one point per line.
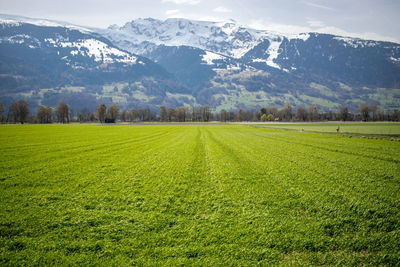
x=196, y=194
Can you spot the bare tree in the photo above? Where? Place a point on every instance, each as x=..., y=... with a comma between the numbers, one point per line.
x=44, y=114
x=182, y=113
x=313, y=112
x=163, y=114
x=171, y=114
x=92, y=117
x=12, y=113
x=145, y=114
x=224, y=115
x=330, y=115
x=71, y=114
x=196, y=113
x=256, y=115
x=62, y=112
x=364, y=111
x=18, y=111
x=205, y=113
x=374, y=110
x=344, y=113
x=240, y=115
x=123, y=116
x=101, y=112
x=286, y=112
x=141, y=114
x=2, y=109
x=301, y=114
x=23, y=110
x=112, y=113
x=132, y=115
x=83, y=115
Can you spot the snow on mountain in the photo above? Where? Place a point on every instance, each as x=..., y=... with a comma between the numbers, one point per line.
x=20, y=39
x=18, y=20
x=226, y=38
x=273, y=51
x=395, y=60
x=44, y=62
x=209, y=57
x=356, y=42
x=221, y=64
x=100, y=51
x=77, y=40
x=229, y=39
x=299, y=36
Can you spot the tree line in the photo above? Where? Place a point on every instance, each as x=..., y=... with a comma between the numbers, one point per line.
x=19, y=112
x=312, y=112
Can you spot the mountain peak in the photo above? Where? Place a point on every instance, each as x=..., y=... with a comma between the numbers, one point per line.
x=225, y=37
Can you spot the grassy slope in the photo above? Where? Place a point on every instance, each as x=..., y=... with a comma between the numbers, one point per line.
x=196, y=194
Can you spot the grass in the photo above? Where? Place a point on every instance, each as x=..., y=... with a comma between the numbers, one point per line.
x=388, y=98
x=322, y=89
x=348, y=128
x=196, y=195
x=320, y=101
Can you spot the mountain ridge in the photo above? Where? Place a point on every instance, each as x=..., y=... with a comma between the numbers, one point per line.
x=228, y=66
x=46, y=64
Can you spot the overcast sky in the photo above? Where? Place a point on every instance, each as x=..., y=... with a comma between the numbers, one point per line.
x=373, y=19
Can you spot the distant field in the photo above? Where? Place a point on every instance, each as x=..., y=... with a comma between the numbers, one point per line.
x=360, y=128
x=198, y=195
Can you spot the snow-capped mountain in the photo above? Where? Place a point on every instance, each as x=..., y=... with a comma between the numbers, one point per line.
x=71, y=43
x=219, y=60
x=45, y=61
x=149, y=62
x=226, y=38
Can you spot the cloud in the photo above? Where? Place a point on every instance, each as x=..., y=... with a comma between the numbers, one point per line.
x=317, y=26
x=364, y=35
x=320, y=6
x=222, y=9
x=172, y=12
x=260, y=24
x=315, y=23
x=182, y=2
x=210, y=18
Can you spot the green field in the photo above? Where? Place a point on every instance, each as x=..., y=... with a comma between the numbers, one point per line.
x=348, y=128
x=198, y=195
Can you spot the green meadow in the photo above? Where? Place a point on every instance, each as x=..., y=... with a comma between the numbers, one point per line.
x=346, y=128
x=210, y=195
